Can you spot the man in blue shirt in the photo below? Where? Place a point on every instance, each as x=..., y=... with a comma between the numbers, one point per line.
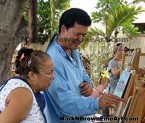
x=68, y=96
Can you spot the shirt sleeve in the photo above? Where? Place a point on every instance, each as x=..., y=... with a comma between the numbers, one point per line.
x=68, y=103
x=111, y=65
x=64, y=101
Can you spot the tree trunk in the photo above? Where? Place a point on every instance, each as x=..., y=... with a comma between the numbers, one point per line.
x=10, y=18
x=33, y=21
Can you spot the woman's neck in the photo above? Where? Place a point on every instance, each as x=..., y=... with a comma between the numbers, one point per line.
x=32, y=85
x=118, y=58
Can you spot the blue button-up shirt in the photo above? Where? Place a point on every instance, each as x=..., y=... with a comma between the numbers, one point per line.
x=63, y=97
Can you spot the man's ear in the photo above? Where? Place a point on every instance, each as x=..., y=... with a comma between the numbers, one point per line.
x=31, y=75
x=63, y=29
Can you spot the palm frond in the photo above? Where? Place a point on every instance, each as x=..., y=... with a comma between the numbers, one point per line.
x=95, y=32
x=93, y=35
x=138, y=1
x=122, y=16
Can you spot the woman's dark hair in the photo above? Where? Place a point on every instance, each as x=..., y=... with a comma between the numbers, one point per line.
x=115, y=47
x=29, y=60
x=72, y=16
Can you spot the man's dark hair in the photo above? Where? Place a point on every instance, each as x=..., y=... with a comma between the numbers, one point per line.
x=72, y=16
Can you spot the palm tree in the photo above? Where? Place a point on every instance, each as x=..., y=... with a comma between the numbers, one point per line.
x=57, y=8
x=120, y=19
x=138, y=1
x=48, y=15
x=116, y=16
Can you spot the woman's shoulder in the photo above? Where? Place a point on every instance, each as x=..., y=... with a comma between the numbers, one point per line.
x=14, y=83
x=17, y=82
x=111, y=61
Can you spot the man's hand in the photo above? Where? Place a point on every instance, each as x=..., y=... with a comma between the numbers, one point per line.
x=109, y=100
x=86, y=89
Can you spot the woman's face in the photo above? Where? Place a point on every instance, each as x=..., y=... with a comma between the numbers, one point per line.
x=45, y=76
x=120, y=50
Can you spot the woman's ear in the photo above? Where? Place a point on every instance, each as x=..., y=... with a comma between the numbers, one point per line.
x=31, y=76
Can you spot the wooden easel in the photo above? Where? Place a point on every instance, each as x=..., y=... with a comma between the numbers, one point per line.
x=135, y=93
x=137, y=106
x=134, y=61
x=134, y=65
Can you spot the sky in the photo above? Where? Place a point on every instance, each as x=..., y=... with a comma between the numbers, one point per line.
x=89, y=6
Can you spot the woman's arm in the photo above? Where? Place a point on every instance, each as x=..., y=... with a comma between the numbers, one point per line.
x=19, y=103
x=115, y=71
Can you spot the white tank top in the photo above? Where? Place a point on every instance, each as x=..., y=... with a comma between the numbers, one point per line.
x=35, y=115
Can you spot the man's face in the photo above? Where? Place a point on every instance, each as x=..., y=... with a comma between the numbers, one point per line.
x=73, y=36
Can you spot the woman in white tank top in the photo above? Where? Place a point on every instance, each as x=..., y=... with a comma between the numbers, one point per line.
x=21, y=100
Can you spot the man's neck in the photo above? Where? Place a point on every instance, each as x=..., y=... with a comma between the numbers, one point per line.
x=61, y=43
x=69, y=52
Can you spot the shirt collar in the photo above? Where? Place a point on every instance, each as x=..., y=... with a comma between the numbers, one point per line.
x=61, y=50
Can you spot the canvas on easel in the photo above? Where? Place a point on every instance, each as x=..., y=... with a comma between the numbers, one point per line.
x=124, y=81
x=134, y=94
x=122, y=84
x=121, y=89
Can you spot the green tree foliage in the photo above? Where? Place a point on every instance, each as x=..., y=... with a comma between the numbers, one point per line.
x=48, y=14
x=115, y=16
x=138, y=1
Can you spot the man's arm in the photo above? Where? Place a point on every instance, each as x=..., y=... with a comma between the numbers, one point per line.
x=69, y=103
